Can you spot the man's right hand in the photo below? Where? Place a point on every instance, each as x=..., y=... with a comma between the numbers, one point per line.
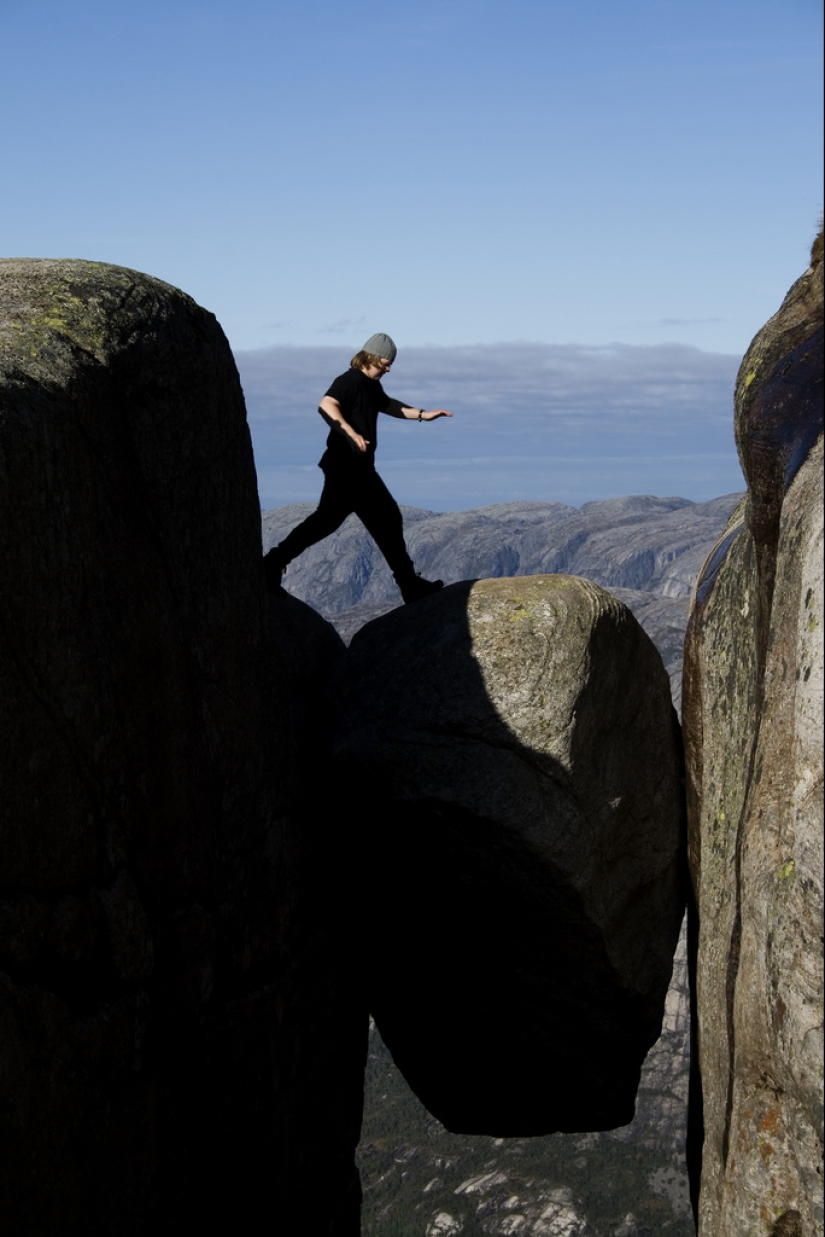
x=330, y=410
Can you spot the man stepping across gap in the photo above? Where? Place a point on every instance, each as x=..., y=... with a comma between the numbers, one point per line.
x=351, y=484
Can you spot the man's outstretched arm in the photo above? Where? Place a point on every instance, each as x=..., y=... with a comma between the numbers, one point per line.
x=397, y=409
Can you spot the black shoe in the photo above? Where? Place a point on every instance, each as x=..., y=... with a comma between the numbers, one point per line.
x=274, y=568
x=416, y=587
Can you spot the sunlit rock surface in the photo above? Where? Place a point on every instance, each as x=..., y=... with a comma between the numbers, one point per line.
x=753, y=730
x=518, y=762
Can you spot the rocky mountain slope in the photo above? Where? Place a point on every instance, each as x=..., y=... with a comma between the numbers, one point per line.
x=646, y=550
x=420, y=1180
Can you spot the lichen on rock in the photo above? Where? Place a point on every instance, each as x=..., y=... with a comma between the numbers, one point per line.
x=752, y=712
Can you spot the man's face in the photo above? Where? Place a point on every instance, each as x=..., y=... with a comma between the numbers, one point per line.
x=377, y=371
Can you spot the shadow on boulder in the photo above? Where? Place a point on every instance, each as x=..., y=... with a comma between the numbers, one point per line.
x=514, y=764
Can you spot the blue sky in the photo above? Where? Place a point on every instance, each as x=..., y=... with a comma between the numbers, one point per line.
x=459, y=173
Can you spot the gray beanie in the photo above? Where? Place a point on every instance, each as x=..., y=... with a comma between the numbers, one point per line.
x=380, y=345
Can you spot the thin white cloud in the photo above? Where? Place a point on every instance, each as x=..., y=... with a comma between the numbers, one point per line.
x=687, y=321
x=530, y=420
x=341, y=326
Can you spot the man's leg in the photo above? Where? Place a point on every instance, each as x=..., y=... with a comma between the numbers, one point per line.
x=333, y=508
x=380, y=515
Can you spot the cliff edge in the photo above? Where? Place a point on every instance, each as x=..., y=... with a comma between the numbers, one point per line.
x=752, y=716
x=179, y=1041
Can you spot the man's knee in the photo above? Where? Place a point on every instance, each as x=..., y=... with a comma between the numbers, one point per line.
x=378, y=506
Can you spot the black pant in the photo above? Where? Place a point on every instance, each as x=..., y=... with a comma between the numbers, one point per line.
x=356, y=489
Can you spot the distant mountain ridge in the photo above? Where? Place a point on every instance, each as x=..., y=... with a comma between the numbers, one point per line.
x=646, y=550
x=639, y=542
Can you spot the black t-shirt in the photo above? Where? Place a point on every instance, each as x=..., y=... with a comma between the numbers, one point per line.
x=360, y=399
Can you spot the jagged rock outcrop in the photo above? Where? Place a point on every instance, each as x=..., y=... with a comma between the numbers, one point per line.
x=753, y=731
x=179, y=1045
x=517, y=760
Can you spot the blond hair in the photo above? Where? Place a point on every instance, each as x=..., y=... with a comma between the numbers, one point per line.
x=362, y=359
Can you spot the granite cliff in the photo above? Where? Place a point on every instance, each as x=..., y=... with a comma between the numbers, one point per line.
x=181, y=1041
x=753, y=729
x=184, y=1007
x=210, y=806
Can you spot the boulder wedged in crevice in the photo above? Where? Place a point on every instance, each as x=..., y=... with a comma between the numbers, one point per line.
x=515, y=763
x=752, y=716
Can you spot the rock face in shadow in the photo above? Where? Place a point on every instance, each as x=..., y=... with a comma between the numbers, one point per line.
x=168, y=990
x=753, y=734
x=516, y=759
